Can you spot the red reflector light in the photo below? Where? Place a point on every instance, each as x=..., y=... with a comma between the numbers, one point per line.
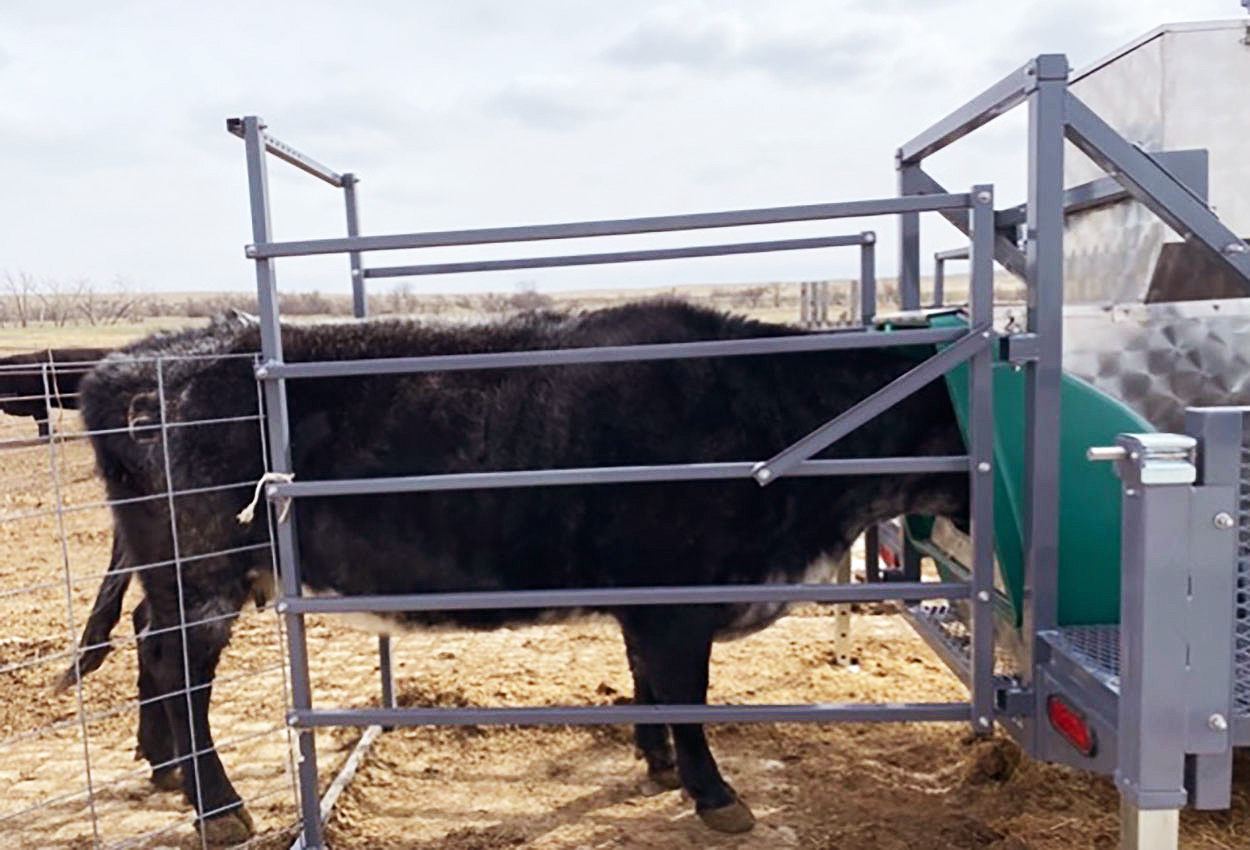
x=889, y=558
x=1071, y=724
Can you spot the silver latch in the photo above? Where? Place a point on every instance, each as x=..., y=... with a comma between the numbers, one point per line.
x=1159, y=458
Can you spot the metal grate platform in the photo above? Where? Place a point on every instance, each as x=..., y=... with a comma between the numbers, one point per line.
x=1097, y=648
x=1241, y=652
x=946, y=623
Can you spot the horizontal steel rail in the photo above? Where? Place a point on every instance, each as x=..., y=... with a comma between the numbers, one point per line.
x=286, y=153
x=829, y=341
x=953, y=254
x=502, y=600
x=1008, y=92
x=606, y=475
x=938, y=712
x=617, y=227
x=618, y=257
x=1156, y=187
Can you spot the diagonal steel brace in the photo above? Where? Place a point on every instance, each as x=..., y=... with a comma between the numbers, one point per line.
x=883, y=399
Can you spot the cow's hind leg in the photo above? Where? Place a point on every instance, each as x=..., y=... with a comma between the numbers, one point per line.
x=652, y=739
x=674, y=647
x=204, y=782
x=156, y=741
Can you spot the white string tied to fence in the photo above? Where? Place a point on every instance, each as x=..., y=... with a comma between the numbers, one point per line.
x=246, y=515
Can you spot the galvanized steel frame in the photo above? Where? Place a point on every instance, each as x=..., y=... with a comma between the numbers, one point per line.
x=974, y=345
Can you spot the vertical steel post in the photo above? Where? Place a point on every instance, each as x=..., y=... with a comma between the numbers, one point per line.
x=1044, y=262
x=909, y=299
x=981, y=459
x=939, y=281
x=280, y=461
x=360, y=299
x=909, y=238
x=360, y=309
x=1157, y=471
x=868, y=278
x=1212, y=603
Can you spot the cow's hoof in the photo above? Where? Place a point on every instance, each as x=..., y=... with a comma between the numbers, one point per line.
x=233, y=827
x=735, y=817
x=659, y=781
x=167, y=778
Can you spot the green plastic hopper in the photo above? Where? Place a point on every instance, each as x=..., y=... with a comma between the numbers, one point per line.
x=1089, y=503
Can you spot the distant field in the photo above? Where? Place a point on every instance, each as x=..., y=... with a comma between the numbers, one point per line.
x=777, y=302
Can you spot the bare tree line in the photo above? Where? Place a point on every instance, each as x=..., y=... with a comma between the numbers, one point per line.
x=26, y=299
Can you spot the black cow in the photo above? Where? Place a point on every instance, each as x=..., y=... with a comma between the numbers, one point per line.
x=703, y=410
x=22, y=389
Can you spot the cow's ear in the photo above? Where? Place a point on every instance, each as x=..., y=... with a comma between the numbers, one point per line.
x=143, y=417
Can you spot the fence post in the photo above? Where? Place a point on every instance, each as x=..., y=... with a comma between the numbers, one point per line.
x=280, y=461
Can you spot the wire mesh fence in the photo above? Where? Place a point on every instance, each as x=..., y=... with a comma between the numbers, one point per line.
x=71, y=774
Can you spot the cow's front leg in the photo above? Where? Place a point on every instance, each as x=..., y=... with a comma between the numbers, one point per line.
x=674, y=646
x=223, y=817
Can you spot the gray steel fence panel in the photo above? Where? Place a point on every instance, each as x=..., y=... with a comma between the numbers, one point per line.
x=593, y=715
x=619, y=227
x=624, y=596
x=608, y=354
x=616, y=257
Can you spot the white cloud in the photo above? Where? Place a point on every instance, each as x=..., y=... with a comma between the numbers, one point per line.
x=486, y=112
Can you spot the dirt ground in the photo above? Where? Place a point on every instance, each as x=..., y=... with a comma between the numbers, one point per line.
x=563, y=788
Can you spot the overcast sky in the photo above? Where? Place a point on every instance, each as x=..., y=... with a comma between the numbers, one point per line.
x=474, y=113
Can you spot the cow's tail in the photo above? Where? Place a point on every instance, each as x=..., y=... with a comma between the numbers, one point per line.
x=95, y=644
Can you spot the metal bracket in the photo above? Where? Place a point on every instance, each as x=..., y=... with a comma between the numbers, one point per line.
x=1019, y=348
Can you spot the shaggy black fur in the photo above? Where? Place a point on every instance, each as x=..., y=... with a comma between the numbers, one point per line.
x=723, y=409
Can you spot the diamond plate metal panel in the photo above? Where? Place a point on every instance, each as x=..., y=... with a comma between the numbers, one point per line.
x=1162, y=358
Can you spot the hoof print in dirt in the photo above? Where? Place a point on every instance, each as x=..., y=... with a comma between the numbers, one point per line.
x=735, y=817
x=233, y=827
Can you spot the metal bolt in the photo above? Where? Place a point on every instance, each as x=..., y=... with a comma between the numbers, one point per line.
x=249, y=251
x=985, y=334
x=984, y=197
x=1130, y=492
x=262, y=371
x=355, y=272
x=1236, y=248
x=983, y=596
x=764, y=474
x=869, y=237
x=1223, y=521
x=983, y=466
x=290, y=718
x=983, y=722
x=1217, y=723
x=281, y=607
